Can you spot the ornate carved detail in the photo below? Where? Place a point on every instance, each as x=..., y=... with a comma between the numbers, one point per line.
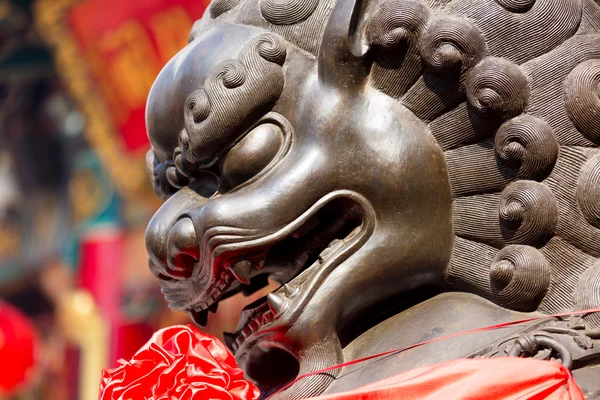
x=587, y=293
x=157, y=172
x=545, y=26
x=394, y=31
x=582, y=98
x=547, y=75
x=528, y=144
x=231, y=97
x=198, y=105
x=398, y=22
x=530, y=210
x=524, y=147
x=287, y=12
x=496, y=88
x=519, y=277
x=519, y=6
x=176, y=172
x=232, y=74
x=467, y=128
x=452, y=46
x=570, y=341
x=218, y=7
x=271, y=49
x=525, y=213
x=588, y=191
x=516, y=277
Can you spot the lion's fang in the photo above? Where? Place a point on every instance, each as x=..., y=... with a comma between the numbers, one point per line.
x=241, y=270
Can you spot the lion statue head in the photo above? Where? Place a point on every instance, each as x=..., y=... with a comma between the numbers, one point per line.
x=362, y=153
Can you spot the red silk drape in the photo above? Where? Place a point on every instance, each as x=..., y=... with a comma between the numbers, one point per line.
x=491, y=379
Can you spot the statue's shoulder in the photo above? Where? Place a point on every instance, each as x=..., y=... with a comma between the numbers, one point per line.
x=460, y=325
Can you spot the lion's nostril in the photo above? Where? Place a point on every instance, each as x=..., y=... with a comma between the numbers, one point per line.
x=183, y=250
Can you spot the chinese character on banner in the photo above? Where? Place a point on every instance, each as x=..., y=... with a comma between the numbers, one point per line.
x=109, y=52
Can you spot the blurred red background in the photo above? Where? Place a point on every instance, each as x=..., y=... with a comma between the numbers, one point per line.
x=75, y=201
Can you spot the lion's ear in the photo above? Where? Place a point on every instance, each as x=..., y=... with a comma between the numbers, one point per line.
x=342, y=61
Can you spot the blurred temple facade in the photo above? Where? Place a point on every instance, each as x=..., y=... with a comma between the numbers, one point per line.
x=74, y=196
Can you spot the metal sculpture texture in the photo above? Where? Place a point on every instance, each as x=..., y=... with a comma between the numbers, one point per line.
x=404, y=168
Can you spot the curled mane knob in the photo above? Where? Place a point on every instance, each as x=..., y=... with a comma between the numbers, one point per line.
x=582, y=98
x=517, y=6
x=397, y=22
x=519, y=277
x=153, y=170
x=175, y=178
x=197, y=106
x=232, y=73
x=168, y=176
x=587, y=293
x=287, y=12
x=528, y=213
x=218, y=7
x=271, y=49
x=529, y=144
x=166, y=180
x=497, y=88
x=588, y=191
x=502, y=272
x=452, y=46
x=184, y=168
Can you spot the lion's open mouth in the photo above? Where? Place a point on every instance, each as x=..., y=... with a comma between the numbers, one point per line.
x=306, y=248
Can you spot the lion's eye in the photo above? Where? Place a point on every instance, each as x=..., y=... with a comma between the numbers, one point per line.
x=251, y=155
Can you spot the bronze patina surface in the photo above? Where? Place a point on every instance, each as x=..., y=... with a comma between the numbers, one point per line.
x=405, y=169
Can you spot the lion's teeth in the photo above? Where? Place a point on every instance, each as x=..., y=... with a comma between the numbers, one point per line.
x=254, y=325
x=332, y=246
x=239, y=340
x=276, y=302
x=267, y=317
x=241, y=270
x=247, y=331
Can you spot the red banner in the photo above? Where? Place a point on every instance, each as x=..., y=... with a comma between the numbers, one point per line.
x=126, y=43
x=109, y=52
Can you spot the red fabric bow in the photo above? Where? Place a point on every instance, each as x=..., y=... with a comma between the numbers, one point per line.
x=181, y=363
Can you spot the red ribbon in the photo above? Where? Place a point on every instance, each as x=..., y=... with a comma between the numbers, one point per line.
x=385, y=353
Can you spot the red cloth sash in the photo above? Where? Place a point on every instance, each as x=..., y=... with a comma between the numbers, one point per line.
x=467, y=379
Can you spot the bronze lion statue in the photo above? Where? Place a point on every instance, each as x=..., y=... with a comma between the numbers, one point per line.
x=406, y=169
